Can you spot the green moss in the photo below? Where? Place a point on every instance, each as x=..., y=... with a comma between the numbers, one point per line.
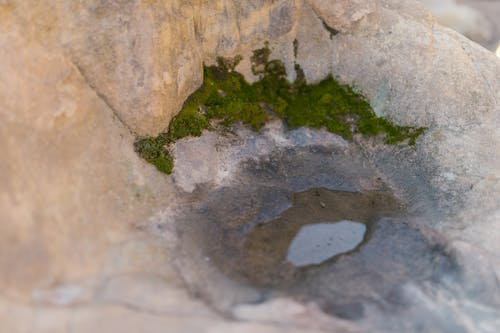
x=154, y=151
x=259, y=60
x=188, y=123
x=226, y=98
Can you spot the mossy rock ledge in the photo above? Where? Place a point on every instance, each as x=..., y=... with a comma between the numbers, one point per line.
x=226, y=98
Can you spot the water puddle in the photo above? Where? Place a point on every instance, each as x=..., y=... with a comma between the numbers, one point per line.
x=321, y=225
x=299, y=222
x=340, y=249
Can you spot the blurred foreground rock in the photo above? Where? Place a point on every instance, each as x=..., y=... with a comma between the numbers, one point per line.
x=476, y=19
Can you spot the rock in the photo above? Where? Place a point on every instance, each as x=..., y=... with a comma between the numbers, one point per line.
x=145, y=58
x=79, y=80
x=72, y=186
x=342, y=15
x=463, y=18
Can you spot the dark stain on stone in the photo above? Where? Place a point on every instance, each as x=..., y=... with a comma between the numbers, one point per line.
x=333, y=32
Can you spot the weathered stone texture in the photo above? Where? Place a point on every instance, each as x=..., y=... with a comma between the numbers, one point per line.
x=78, y=81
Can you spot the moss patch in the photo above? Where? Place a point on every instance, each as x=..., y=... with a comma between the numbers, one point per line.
x=154, y=151
x=226, y=98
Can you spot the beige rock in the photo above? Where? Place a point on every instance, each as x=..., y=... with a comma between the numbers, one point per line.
x=342, y=15
x=462, y=18
x=145, y=57
x=78, y=80
x=71, y=182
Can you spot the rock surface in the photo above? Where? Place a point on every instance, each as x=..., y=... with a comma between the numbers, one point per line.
x=79, y=79
x=478, y=20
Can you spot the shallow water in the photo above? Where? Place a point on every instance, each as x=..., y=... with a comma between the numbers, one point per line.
x=248, y=196
x=238, y=246
x=277, y=251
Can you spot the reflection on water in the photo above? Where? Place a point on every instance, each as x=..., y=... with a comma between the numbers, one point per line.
x=318, y=242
